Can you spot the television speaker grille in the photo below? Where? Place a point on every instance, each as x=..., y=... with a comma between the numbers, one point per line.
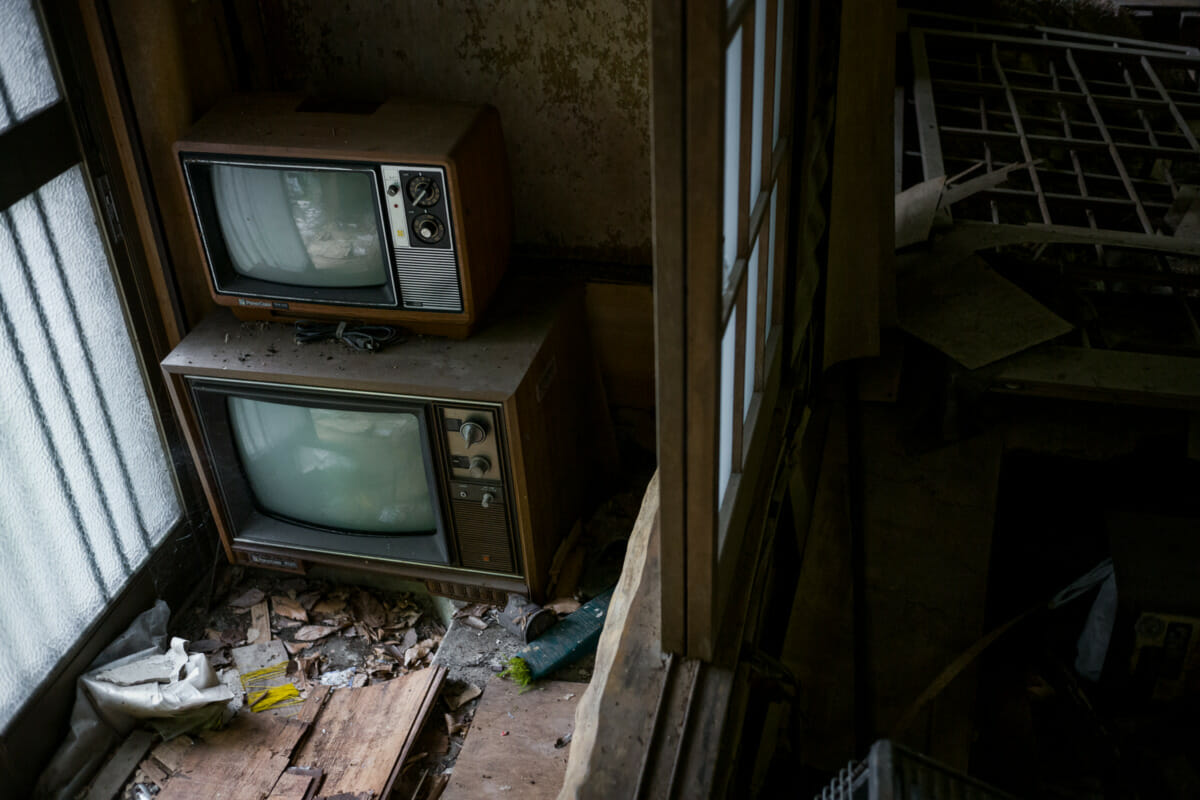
x=482, y=536
x=428, y=279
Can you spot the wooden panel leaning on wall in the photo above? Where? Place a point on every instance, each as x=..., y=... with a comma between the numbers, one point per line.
x=169, y=86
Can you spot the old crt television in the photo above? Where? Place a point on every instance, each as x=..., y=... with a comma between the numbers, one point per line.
x=457, y=462
x=400, y=213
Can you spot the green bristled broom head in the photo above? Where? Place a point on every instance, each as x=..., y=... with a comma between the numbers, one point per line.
x=518, y=670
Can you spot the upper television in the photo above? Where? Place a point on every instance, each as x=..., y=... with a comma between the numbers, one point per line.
x=400, y=215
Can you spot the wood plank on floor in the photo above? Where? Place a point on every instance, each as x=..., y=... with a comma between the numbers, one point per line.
x=362, y=736
x=510, y=750
x=294, y=786
x=116, y=771
x=241, y=762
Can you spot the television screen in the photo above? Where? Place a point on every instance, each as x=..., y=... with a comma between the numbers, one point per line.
x=353, y=471
x=301, y=227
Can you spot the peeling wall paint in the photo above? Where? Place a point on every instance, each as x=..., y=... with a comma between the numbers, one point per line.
x=570, y=78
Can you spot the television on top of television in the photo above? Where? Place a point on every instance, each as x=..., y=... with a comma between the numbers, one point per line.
x=401, y=215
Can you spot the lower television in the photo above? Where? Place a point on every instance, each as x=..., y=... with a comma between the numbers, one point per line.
x=461, y=463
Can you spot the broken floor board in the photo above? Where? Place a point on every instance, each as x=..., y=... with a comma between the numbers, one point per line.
x=510, y=750
x=362, y=736
x=972, y=314
x=296, y=784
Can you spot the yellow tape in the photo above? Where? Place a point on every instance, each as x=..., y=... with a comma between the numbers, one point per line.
x=274, y=697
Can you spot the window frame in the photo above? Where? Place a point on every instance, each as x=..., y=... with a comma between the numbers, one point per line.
x=702, y=535
x=91, y=126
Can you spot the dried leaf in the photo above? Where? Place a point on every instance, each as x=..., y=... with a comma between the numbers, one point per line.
x=204, y=646
x=564, y=605
x=293, y=585
x=226, y=637
x=465, y=696
x=220, y=659
x=368, y=609
x=416, y=652
x=472, y=610
x=247, y=599
x=360, y=680
x=296, y=647
x=308, y=600
x=311, y=633
x=286, y=607
x=410, y=638
x=329, y=607
x=475, y=622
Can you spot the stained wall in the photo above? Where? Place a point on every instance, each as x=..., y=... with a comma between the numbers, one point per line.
x=571, y=81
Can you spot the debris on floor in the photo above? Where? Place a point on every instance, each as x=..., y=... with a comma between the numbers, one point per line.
x=364, y=686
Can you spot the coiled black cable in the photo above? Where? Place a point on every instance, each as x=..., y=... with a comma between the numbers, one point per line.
x=369, y=338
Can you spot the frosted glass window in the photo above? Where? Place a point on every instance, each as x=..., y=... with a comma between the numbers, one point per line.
x=771, y=232
x=756, y=134
x=751, y=329
x=350, y=470
x=25, y=77
x=88, y=491
x=778, y=70
x=733, y=128
x=301, y=227
x=725, y=432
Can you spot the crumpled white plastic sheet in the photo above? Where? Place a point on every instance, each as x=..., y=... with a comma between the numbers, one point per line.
x=135, y=685
x=134, y=678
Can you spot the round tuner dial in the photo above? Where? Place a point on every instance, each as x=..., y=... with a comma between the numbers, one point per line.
x=428, y=228
x=393, y=190
x=472, y=433
x=479, y=467
x=424, y=191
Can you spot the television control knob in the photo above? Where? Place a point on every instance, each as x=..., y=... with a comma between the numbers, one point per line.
x=429, y=229
x=393, y=190
x=424, y=191
x=488, y=497
x=479, y=467
x=473, y=433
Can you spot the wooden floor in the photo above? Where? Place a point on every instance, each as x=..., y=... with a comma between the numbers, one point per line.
x=519, y=742
x=349, y=741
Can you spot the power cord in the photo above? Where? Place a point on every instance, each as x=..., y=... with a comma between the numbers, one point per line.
x=369, y=338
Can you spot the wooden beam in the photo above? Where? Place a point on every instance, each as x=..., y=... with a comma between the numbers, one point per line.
x=861, y=209
x=1106, y=376
x=670, y=333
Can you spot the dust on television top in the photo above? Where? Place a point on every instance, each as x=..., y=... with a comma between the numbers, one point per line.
x=397, y=213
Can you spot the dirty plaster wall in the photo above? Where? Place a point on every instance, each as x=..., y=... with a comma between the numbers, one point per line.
x=571, y=81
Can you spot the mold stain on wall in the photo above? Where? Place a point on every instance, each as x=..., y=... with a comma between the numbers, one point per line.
x=570, y=78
